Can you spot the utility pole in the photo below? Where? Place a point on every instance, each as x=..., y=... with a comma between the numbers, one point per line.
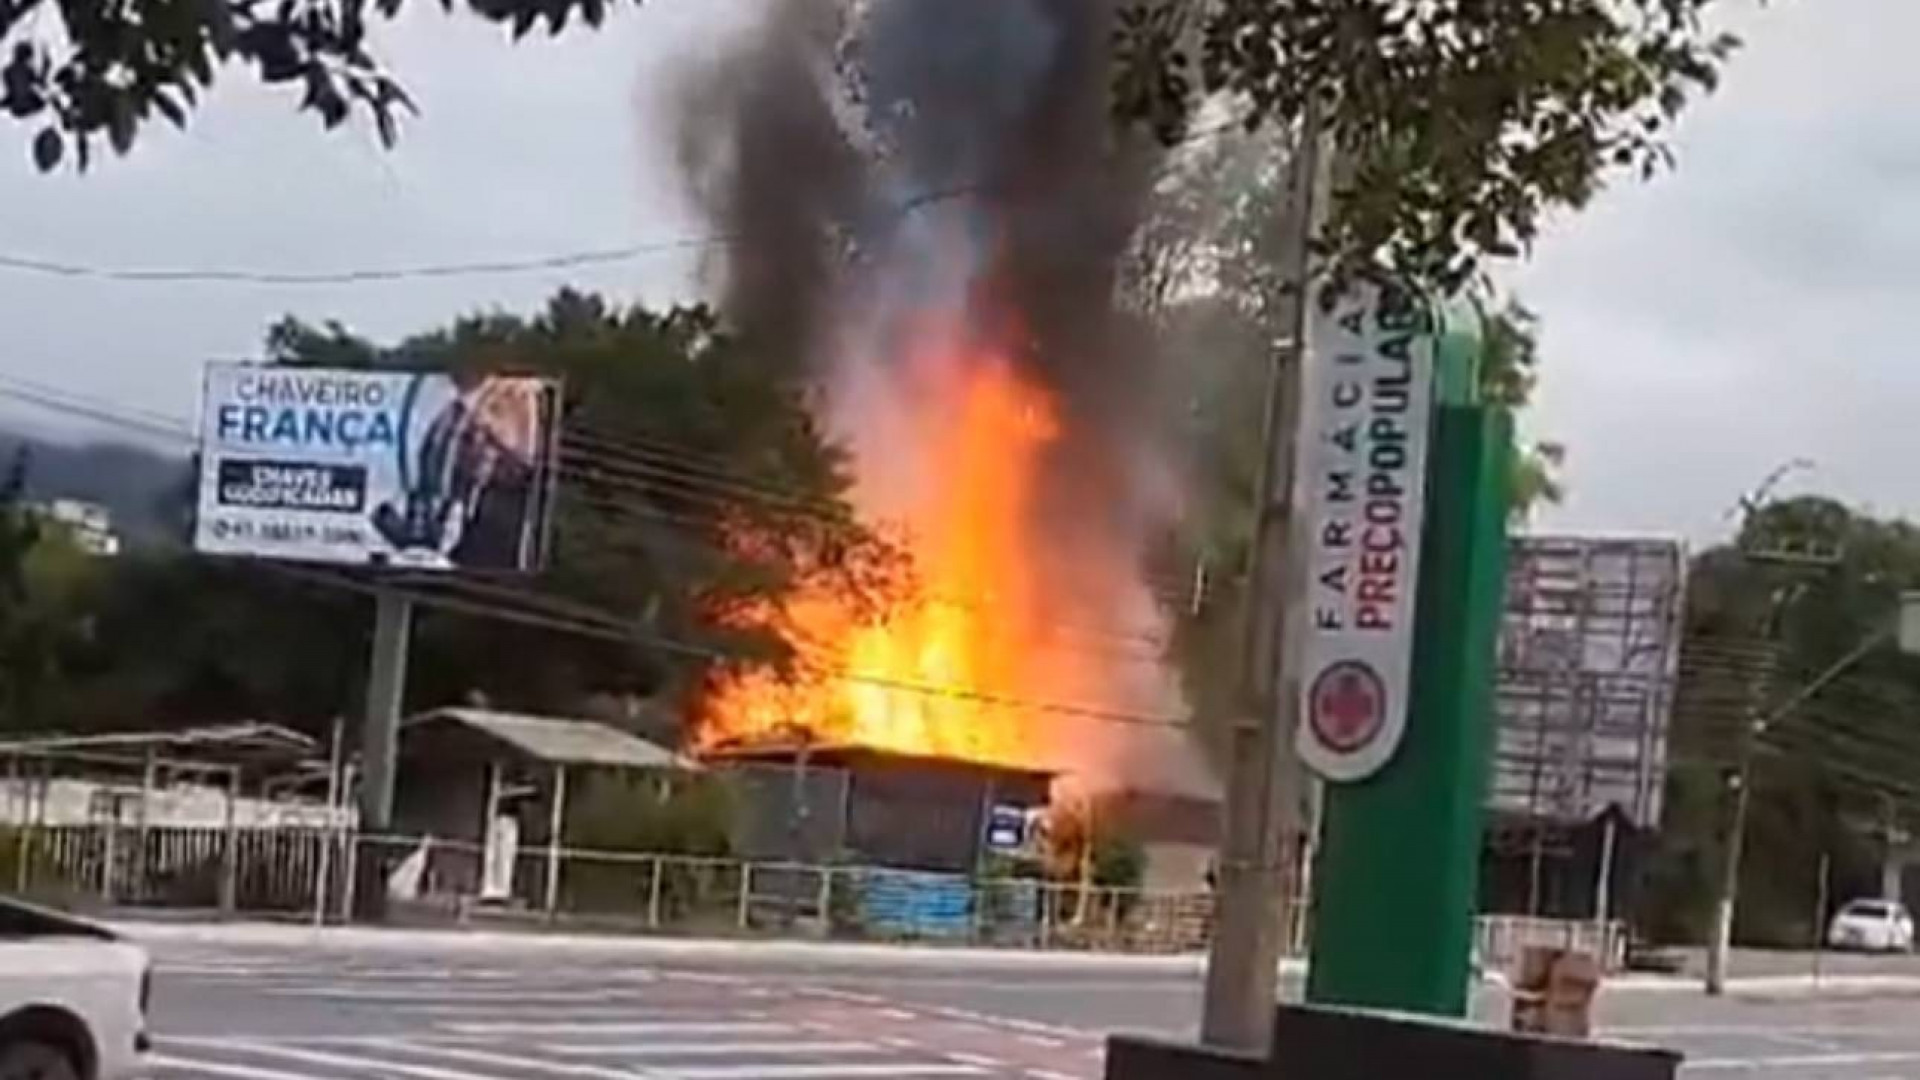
x=380, y=741
x=1752, y=725
x=1265, y=781
x=1721, y=945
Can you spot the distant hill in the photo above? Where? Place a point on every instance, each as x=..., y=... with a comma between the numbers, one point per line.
x=146, y=489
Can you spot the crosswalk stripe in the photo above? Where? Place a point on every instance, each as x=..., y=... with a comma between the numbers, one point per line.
x=825, y=1071
x=664, y=1027
x=202, y=1067
x=456, y=1010
x=372, y=1065
x=512, y=1061
x=709, y=1049
x=504, y=996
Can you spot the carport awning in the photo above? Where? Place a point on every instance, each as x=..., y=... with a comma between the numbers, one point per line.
x=558, y=741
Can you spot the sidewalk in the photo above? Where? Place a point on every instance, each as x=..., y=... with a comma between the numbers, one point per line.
x=873, y=956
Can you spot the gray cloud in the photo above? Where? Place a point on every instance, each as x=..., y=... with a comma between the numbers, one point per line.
x=1751, y=307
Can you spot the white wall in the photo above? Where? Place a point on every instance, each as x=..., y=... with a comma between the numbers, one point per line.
x=83, y=802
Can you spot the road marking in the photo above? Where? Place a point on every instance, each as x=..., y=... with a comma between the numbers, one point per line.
x=1050, y=1074
x=201, y=1067
x=710, y=1049
x=853, y=996
x=981, y=1060
x=822, y=1072
x=632, y=1010
x=1011, y=1023
x=503, y=996
x=373, y=1065
x=514, y=1061
x=1801, y=1042
x=896, y=1014
x=1047, y=1042
x=664, y=1027
x=1805, y=1061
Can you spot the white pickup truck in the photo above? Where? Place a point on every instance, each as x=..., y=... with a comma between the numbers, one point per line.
x=73, y=998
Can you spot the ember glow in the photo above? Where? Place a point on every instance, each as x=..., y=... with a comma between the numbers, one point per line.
x=953, y=661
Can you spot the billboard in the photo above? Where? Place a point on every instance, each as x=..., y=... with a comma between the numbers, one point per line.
x=1589, y=658
x=431, y=470
x=1366, y=402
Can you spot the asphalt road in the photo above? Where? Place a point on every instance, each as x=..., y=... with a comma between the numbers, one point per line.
x=420, y=1009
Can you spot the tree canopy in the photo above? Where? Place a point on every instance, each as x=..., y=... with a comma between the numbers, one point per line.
x=1806, y=581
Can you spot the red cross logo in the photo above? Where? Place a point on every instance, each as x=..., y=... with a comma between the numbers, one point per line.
x=1348, y=706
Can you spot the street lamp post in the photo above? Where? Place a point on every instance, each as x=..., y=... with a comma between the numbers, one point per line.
x=1904, y=629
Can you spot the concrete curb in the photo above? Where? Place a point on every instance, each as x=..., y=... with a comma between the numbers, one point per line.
x=1772, y=986
x=446, y=940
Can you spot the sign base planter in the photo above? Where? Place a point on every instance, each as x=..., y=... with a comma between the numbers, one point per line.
x=1334, y=1044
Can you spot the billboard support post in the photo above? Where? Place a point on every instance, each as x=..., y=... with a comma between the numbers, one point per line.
x=380, y=737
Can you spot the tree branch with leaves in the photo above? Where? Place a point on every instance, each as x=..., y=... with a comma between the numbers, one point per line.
x=83, y=72
x=1460, y=123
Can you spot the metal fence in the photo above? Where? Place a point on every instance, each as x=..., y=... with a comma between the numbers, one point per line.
x=307, y=873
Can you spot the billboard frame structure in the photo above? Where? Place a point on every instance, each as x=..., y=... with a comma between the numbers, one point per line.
x=1589, y=665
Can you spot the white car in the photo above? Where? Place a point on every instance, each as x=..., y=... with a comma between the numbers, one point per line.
x=73, y=998
x=1872, y=925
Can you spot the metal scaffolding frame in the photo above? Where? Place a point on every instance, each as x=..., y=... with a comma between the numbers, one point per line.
x=1589, y=659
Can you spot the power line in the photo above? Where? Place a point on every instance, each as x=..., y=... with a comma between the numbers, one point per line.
x=572, y=617
x=73, y=405
x=711, y=499
x=565, y=260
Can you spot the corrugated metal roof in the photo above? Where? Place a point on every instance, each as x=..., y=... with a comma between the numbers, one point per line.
x=561, y=741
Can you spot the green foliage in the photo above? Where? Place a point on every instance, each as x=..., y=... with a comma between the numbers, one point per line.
x=91, y=71
x=1119, y=862
x=1509, y=372
x=1806, y=583
x=1460, y=125
x=46, y=582
x=680, y=817
x=1205, y=272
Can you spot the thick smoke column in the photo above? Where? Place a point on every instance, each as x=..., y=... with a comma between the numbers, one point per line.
x=884, y=166
x=835, y=115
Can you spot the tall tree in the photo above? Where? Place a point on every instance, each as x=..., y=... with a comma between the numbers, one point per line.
x=1206, y=274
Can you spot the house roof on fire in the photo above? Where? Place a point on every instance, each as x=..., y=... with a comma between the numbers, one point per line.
x=555, y=740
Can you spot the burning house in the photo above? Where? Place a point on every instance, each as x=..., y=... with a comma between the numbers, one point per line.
x=877, y=807
x=930, y=203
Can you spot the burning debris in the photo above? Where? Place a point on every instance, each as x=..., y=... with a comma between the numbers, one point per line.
x=930, y=203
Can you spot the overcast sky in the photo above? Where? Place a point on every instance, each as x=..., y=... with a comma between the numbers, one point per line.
x=1746, y=309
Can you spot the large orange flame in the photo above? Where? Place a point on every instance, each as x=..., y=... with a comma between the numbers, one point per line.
x=949, y=663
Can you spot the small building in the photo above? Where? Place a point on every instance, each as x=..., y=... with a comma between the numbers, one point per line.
x=874, y=807
x=480, y=784
x=1163, y=795
x=89, y=524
